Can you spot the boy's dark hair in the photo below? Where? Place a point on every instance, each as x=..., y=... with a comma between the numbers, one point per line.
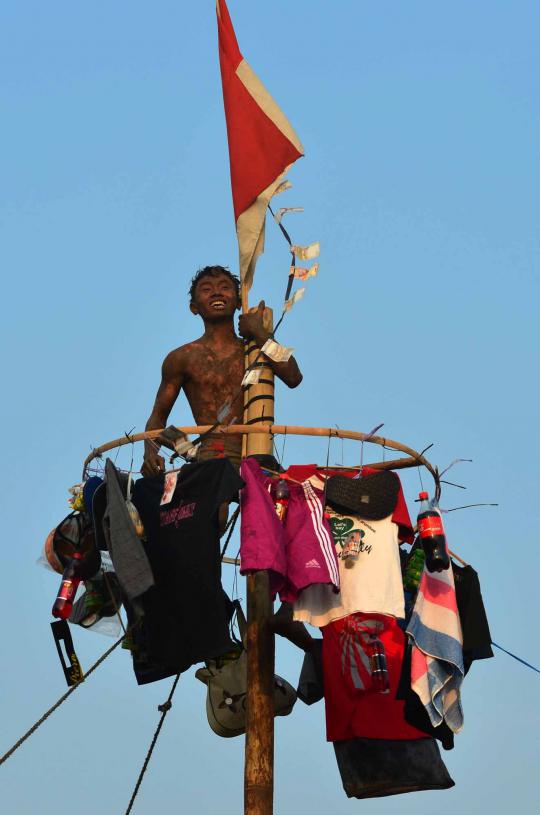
x=213, y=271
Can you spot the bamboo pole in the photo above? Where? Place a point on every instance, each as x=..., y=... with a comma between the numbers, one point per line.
x=259, y=745
x=259, y=749
x=259, y=398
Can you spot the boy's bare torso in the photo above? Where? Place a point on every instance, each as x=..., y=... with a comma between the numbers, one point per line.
x=211, y=376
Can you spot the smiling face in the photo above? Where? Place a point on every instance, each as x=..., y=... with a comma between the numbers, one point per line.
x=215, y=298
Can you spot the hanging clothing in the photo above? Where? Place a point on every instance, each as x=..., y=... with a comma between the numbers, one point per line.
x=371, y=768
x=437, y=654
x=262, y=536
x=472, y=614
x=129, y=558
x=476, y=645
x=414, y=711
x=371, y=582
x=311, y=682
x=89, y=489
x=298, y=552
x=351, y=709
x=186, y=619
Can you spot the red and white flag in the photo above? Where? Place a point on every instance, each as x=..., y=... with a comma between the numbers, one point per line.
x=262, y=144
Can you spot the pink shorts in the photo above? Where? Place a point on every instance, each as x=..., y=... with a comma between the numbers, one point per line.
x=298, y=552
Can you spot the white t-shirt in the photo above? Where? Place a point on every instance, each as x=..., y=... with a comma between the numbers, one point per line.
x=371, y=582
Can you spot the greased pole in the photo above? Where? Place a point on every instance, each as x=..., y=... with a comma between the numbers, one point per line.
x=259, y=750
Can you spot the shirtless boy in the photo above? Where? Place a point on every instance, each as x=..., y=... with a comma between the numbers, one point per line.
x=210, y=369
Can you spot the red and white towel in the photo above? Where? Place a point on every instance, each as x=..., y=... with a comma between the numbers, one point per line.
x=437, y=649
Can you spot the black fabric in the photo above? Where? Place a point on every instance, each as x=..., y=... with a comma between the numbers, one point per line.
x=476, y=645
x=372, y=497
x=75, y=534
x=268, y=461
x=414, y=711
x=311, y=682
x=186, y=619
x=89, y=488
x=99, y=505
x=474, y=623
x=145, y=668
x=70, y=665
x=371, y=768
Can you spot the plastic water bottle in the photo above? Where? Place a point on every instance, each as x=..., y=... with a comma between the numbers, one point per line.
x=414, y=570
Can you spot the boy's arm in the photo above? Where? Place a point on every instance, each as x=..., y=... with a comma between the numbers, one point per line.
x=251, y=327
x=171, y=382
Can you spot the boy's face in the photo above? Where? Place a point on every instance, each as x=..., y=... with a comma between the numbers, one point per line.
x=215, y=298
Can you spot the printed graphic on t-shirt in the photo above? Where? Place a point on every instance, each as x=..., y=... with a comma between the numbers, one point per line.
x=169, y=487
x=346, y=536
x=186, y=618
x=369, y=570
x=177, y=514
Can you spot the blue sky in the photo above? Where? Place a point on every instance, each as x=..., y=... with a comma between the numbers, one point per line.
x=421, y=127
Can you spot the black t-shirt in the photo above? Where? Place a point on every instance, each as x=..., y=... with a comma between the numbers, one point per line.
x=474, y=623
x=186, y=619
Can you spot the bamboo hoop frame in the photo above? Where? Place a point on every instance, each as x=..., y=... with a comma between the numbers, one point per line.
x=414, y=458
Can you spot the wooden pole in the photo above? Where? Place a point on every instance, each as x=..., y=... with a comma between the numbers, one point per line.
x=259, y=746
x=259, y=751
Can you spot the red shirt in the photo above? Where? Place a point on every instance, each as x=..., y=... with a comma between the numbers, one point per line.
x=353, y=713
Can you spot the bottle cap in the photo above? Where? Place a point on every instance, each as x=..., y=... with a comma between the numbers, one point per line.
x=423, y=496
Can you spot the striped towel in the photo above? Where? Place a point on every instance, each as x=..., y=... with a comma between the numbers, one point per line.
x=437, y=654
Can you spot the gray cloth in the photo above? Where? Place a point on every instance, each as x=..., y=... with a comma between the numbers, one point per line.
x=371, y=768
x=127, y=552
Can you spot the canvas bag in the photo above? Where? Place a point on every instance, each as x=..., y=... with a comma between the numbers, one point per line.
x=226, y=695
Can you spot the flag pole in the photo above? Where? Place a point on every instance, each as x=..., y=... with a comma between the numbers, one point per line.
x=259, y=745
